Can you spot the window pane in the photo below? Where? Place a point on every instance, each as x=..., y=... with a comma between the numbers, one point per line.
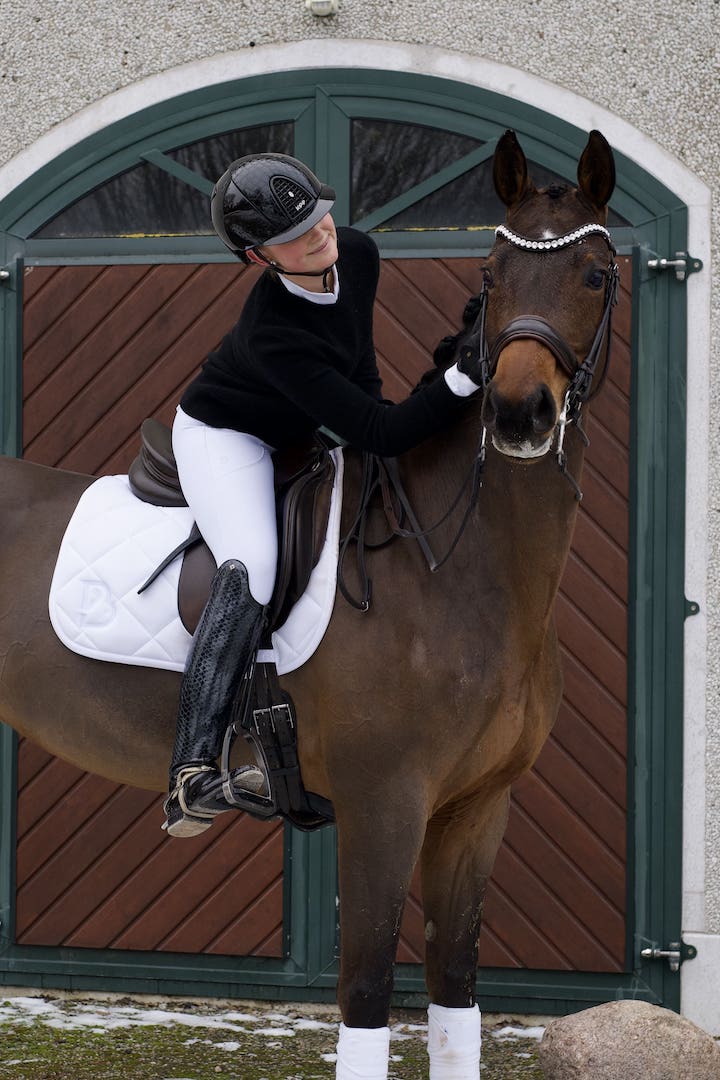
x=389, y=157
x=470, y=202
x=147, y=201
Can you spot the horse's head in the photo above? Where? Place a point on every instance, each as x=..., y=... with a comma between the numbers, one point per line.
x=550, y=282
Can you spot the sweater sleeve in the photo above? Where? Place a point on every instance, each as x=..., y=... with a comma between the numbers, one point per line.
x=300, y=372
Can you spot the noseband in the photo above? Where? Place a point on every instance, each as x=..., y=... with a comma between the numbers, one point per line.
x=581, y=375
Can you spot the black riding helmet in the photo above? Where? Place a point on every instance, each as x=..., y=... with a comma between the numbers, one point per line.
x=267, y=199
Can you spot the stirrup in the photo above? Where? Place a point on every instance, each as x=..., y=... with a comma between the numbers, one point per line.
x=191, y=813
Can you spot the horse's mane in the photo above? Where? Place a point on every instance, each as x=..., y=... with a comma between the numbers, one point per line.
x=446, y=349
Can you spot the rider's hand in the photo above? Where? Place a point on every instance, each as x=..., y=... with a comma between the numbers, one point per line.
x=469, y=362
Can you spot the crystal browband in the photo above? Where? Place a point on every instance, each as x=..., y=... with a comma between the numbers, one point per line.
x=555, y=242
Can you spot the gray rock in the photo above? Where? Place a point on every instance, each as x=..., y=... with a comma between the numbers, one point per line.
x=625, y=1039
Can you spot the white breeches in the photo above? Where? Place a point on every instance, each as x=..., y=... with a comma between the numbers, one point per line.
x=227, y=478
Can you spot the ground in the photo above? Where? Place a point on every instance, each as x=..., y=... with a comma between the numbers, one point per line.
x=108, y=1037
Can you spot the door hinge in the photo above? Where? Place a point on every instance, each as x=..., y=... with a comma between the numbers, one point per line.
x=676, y=954
x=683, y=264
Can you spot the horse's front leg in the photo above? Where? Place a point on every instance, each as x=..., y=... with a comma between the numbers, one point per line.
x=378, y=846
x=457, y=860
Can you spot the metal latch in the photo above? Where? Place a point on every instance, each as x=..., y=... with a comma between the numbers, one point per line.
x=683, y=264
x=676, y=954
x=4, y=274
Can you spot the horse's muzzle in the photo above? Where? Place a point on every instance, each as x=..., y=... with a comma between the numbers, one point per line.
x=520, y=427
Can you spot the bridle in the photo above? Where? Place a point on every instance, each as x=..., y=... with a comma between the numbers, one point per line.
x=582, y=385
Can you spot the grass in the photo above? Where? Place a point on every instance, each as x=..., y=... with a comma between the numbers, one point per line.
x=285, y=1043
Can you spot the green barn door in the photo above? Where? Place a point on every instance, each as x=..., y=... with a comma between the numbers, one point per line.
x=119, y=257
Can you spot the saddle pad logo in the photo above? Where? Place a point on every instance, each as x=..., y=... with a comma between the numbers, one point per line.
x=97, y=607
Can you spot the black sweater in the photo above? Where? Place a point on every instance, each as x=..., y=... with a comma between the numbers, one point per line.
x=289, y=366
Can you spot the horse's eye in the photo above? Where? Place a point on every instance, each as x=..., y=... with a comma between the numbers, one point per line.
x=596, y=279
x=488, y=278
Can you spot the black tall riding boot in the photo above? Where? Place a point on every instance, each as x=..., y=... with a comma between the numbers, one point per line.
x=224, y=645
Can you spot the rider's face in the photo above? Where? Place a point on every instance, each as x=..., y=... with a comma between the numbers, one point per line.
x=312, y=252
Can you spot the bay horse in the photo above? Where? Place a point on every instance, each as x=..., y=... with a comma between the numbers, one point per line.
x=416, y=716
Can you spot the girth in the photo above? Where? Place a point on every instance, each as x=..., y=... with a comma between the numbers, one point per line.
x=303, y=486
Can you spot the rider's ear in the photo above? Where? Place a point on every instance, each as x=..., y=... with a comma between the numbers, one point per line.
x=510, y=172
x=596, y=171
x=253, y=257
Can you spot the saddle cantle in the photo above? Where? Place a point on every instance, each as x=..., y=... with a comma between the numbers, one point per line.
x=303, y=486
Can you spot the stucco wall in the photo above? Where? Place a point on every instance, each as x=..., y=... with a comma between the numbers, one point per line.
x=653, y=64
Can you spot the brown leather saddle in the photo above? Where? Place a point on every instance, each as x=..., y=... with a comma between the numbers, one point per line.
x=304, y=477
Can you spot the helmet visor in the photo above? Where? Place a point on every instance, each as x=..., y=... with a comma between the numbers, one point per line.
x=322, y=207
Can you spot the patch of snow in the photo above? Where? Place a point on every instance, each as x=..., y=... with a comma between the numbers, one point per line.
x=510, y=1032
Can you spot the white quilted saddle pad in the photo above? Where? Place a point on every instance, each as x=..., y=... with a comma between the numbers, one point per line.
x=113, y=543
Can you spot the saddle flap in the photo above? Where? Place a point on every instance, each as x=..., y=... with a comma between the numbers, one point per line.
x=303, y=513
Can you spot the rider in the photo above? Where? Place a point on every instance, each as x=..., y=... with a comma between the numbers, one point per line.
x=300, y=357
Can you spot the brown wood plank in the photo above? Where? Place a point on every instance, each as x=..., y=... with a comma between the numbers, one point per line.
x=31, y=760
x=592, y=752
x=69, y=365
x=589, y=594
x=601, y=866
x=595, y=653
x=423, y=313
x=602, y=920
x=590, y=803
x=62, y=287
x=202, y=877
x=248, y=933
x=252, y=875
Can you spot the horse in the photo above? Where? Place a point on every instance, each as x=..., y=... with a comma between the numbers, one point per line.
x=417, y=715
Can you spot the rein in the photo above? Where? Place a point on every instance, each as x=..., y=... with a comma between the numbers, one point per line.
x=382, y=473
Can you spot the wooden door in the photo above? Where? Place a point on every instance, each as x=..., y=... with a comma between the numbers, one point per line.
x=105, y=346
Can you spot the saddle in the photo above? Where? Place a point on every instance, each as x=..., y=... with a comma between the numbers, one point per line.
x=303, y=486
x=264, y=711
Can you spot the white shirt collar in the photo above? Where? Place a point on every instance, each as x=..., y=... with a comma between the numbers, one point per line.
x=314, y=297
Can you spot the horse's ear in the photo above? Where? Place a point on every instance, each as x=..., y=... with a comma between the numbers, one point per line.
x=510, y=172
x=596, y=171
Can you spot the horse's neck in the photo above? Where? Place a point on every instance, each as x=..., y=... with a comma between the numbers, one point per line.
x=519, y=535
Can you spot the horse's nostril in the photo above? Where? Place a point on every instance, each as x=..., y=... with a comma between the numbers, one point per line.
x=544, y=412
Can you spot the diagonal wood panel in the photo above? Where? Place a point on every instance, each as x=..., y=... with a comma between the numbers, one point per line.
x=105, y=347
